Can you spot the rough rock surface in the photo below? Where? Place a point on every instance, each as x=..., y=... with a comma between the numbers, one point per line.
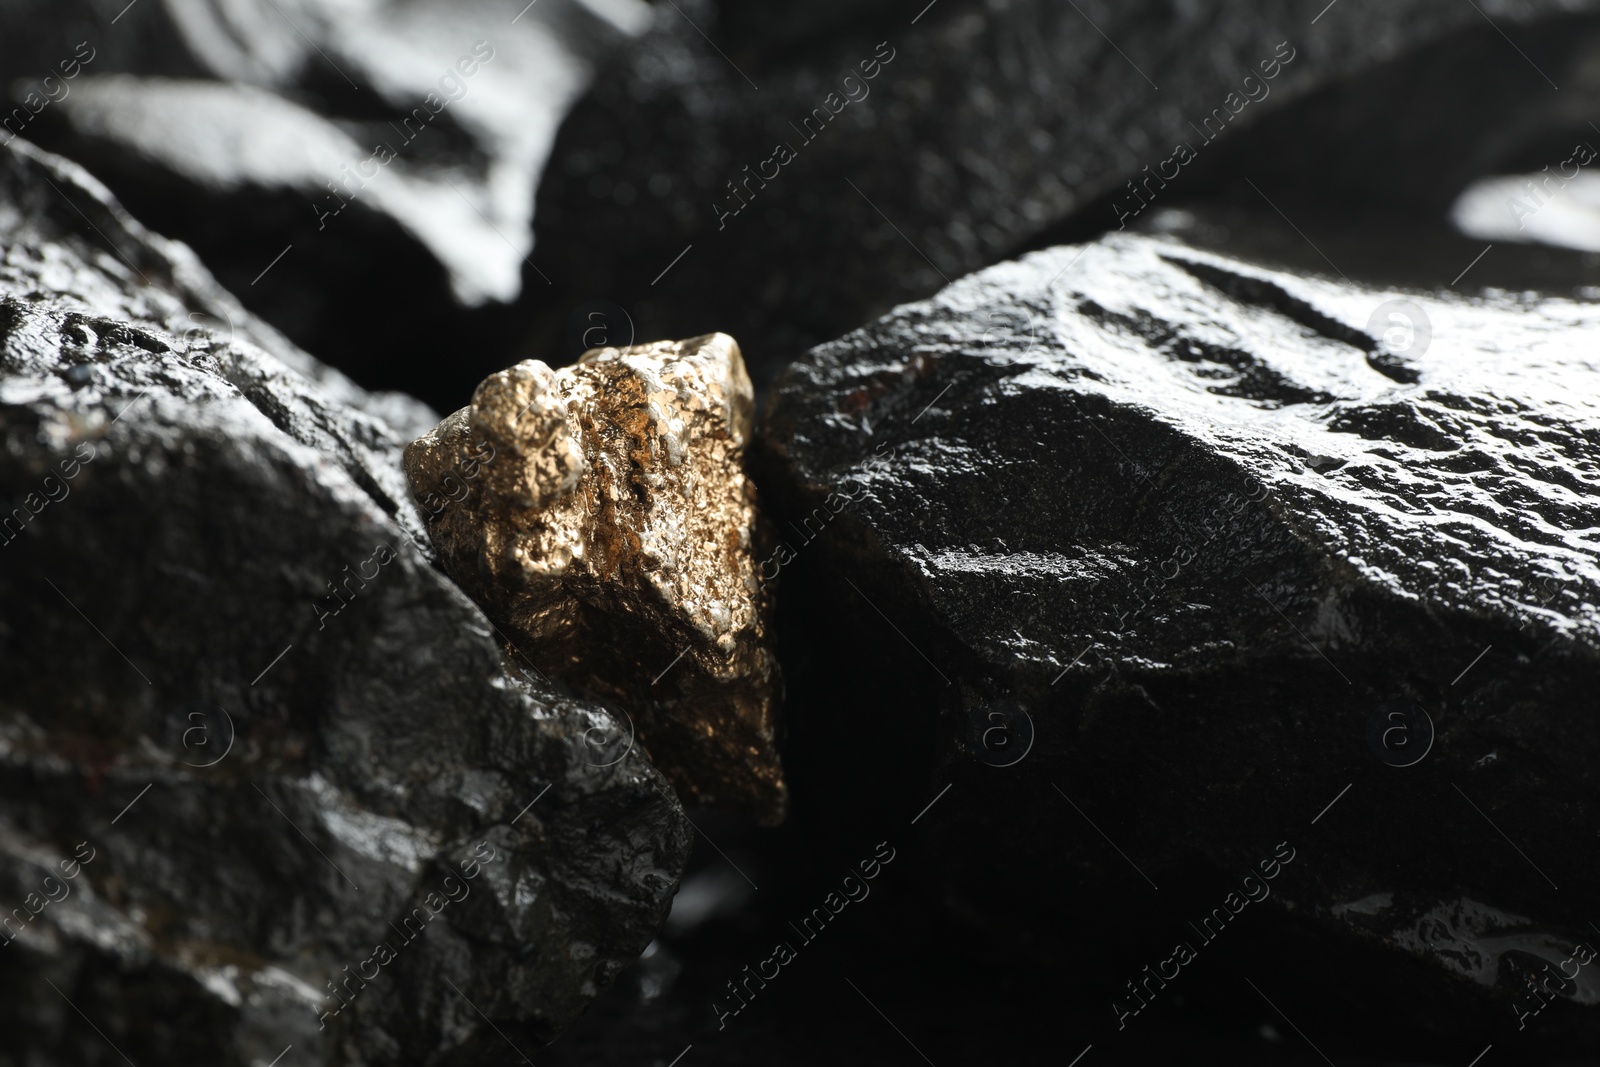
x=985, y=124
x=1390, y=195
x=411, y=134
x=1178, y=549
x=601, y=514
x=994, y=124
x=251, y=741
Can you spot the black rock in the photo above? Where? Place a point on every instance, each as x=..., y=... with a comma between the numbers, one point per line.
x=1165, y=564
x=251, y=740
x=381, y=153
x=1373, y=190
x=984, y=127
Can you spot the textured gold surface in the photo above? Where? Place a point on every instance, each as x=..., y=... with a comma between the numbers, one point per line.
x=600, y=514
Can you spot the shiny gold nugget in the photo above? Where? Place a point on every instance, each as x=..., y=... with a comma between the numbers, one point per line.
x=601, y=516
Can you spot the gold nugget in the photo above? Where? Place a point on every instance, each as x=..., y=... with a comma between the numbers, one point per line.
x=601, y=516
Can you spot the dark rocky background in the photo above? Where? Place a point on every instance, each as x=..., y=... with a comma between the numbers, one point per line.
x=1293, y=311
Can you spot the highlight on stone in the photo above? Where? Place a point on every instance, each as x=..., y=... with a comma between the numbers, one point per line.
x=601, y=516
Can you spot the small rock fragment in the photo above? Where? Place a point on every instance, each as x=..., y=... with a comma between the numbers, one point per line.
x=601, y=515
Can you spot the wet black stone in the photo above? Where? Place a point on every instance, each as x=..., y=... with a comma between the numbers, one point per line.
x=1164, y=503
x=234, y=685
x=994, y=126
x=249, y=130
x=1368, y=186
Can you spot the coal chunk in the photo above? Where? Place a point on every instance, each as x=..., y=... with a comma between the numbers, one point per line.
x=1162, y=560
x=269, y=777
x=812, y=179
x=377, y=150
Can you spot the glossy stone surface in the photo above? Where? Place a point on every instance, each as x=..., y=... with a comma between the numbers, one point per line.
x=250, y=737
x=826, y=169
x=1170, y=550
x=395, y=146
x=601, y=514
